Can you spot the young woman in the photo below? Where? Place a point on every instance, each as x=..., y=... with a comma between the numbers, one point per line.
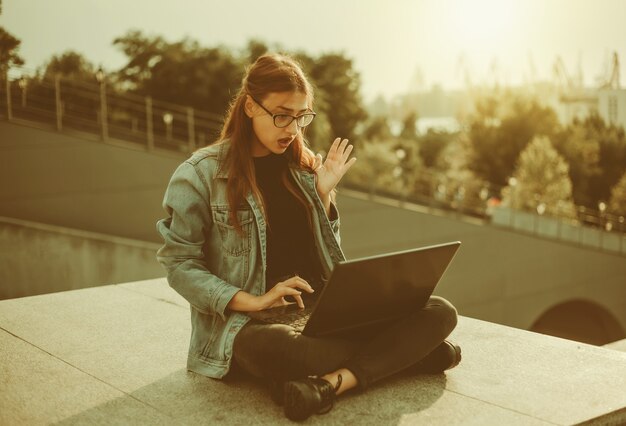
x=252, y=220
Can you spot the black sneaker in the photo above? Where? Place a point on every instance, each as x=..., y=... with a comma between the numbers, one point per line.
x=276, y=389
x=308, y=396
x=444, y=357
x=457, y=350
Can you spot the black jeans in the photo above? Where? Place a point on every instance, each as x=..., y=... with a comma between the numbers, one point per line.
x=278, y=352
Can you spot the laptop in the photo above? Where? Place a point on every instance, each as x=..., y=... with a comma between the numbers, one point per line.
x=367, y=293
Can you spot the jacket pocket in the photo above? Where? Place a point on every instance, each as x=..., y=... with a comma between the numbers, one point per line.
x=233, y=242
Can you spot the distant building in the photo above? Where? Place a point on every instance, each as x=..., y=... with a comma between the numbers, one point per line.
x=612, y=106
x=436, y=102
x=436, y=109
x=577, y=106
x=568, y=104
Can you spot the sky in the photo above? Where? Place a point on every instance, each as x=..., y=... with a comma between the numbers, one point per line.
x=388, y=40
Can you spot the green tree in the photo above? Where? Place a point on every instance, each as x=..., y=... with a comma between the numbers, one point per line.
x=501, y=128
x=409, y=163
x=541, y=178
x=432, y=144
x=409, y=126
x=374, y=169
x=186, y=73
x=9, y=47
x=71, y=65
x=182, y=72
x=612, y=162
x=319, y=134
x=338, y=84
x=143, y=53
x=617, y=203
x=377, y=128
x=580, y=147
x=458, y=184
x=255, y=49
x=79, y=87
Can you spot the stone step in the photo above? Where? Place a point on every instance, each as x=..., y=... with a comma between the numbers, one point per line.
x=116, y=354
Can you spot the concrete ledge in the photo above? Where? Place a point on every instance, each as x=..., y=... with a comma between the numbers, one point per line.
x=620, y=345
x=67, y=259
x=116, y=355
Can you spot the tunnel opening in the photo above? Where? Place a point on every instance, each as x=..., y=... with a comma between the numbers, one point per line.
x=580, y=320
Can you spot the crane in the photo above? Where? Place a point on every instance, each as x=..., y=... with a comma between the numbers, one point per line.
x=611, y=79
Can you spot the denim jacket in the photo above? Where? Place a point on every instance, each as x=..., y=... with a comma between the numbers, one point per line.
x=207, y=261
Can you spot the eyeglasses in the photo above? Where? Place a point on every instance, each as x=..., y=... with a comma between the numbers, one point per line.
x=284, y=120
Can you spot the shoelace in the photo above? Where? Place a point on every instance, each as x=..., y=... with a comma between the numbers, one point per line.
x=328, y=391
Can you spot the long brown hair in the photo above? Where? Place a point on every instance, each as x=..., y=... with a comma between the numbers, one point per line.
x=270, y=73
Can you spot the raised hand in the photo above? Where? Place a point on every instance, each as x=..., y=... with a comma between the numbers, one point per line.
x=330, y=171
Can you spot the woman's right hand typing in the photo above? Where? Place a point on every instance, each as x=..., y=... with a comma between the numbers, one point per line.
x=245, y=302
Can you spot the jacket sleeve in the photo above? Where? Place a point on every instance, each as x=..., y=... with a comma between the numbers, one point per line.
x=333, y=219
x=187, y=203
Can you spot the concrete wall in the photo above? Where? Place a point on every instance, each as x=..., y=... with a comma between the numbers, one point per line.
x=60, y=179
x=37, y=258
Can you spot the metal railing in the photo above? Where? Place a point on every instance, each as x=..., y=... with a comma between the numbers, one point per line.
x=96, y=108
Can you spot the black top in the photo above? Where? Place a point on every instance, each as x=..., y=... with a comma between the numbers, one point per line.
x=290, y=242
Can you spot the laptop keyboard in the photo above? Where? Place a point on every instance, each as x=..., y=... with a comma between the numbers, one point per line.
x=296, y=319
x=292, y=316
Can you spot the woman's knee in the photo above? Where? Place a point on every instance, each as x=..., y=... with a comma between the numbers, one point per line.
x=445, y=312
x=258, y=348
